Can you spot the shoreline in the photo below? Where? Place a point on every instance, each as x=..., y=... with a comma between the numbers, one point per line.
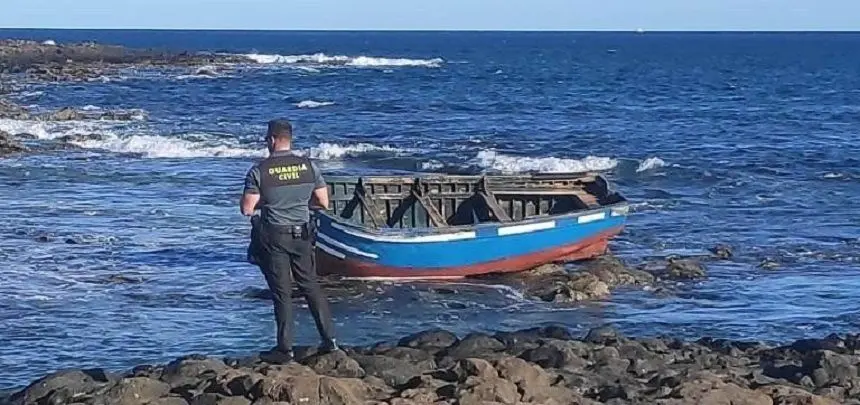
x=542, y=365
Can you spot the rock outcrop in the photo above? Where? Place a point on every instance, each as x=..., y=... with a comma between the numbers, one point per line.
x=9, y=145
x=544, y=365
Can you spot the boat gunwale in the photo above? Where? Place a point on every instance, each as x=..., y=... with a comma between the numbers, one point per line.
x=407, y=233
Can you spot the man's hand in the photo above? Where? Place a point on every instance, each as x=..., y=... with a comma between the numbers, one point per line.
x=320, y=198
x=249, y=203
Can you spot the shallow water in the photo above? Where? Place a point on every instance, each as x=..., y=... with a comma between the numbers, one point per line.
x=744, y=139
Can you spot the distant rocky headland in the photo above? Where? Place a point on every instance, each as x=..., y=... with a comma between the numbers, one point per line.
x=89, y=61
x=24, y=63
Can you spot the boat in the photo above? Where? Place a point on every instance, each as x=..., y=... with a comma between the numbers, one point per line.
x=454, y=226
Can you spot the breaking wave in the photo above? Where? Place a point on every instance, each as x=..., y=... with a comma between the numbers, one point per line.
x=342, y=60
x=650, y=164
x=155, y=146
x=494, y=161
x=116, y=139
x=314, y=104
x=332, y=151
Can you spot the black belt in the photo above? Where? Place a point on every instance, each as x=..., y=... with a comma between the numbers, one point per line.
x=297, y=231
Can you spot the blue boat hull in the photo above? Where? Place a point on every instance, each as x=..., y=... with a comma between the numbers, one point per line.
x=352, y=251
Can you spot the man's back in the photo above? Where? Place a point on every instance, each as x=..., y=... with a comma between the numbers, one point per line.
x=285, y=183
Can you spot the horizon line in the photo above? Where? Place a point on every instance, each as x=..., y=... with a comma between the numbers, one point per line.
x=614, y=30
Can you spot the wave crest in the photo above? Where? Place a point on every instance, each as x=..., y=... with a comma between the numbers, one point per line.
x=314, y=104
x=492, y=160
x=333, y=151
x=650, y=164
x=343, y=60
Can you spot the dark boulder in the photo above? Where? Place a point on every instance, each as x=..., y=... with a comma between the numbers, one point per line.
x=434, y=339
x=394, y=372
x=9, y=145
x=189, y=371
x=722, y=251
x=133, y=390
x=683, y=269
x=603, y=335
x=473, y=345
x=335, y=364
x=62, y=387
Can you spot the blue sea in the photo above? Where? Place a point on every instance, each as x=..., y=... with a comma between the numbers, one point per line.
x=745, y=139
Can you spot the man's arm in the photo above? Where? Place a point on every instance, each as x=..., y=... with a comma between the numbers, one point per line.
x=320, y=194
x=251, y=195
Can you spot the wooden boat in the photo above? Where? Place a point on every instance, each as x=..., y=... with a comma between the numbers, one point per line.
x=445, y=226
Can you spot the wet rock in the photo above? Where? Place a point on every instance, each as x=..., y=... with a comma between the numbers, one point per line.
x=190, y=370
x=408, y=354
x=430, y=339
x=73, y=114
x=477, y=390
x=602, y=335
x=134, y=390
x=556, y=354
x=829, y=368
x=61, y=387
x=335, y=364
x=768, y=264
x=683, y=269
x=12, y=111
x=168, y=401
x=394, y=372
x=614, y=272
x=722, y=251
x=65, y=114
x=474, y=344
x=554, y=284
x=715, y=392
x=8, y=145
x=784, y=395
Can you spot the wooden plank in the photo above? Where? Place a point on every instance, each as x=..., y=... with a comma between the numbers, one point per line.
x=541, y=192
x=433, y=214
x=493, y=205
x=399, y=214
x=370, y=207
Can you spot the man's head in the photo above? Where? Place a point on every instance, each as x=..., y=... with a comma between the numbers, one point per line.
x=280, y=135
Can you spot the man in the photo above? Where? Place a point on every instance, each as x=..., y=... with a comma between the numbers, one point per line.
x=281, y=186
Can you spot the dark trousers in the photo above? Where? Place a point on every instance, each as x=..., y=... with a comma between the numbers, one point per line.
x=286, y=256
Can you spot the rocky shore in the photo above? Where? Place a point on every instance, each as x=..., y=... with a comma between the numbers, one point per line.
x=24, y=63
x=547, y=365
x=51, y=62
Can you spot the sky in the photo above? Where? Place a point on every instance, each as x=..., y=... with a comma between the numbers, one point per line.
x=623, y=15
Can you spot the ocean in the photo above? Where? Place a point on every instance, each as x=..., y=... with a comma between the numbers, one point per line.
x=745, y=139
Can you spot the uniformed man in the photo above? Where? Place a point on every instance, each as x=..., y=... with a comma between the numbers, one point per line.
x=281, y=187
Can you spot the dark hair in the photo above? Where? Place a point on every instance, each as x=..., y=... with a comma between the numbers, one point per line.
x=280, y=129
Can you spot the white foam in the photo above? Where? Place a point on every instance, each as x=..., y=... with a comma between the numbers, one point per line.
x=116, y=138
x=342, y=60
x=332, y=151
x=156, y=146
x=314, y=104
x=432, y=165
x=494, y=161
x=650, y=163
x=50, y=42
x=91, y=107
